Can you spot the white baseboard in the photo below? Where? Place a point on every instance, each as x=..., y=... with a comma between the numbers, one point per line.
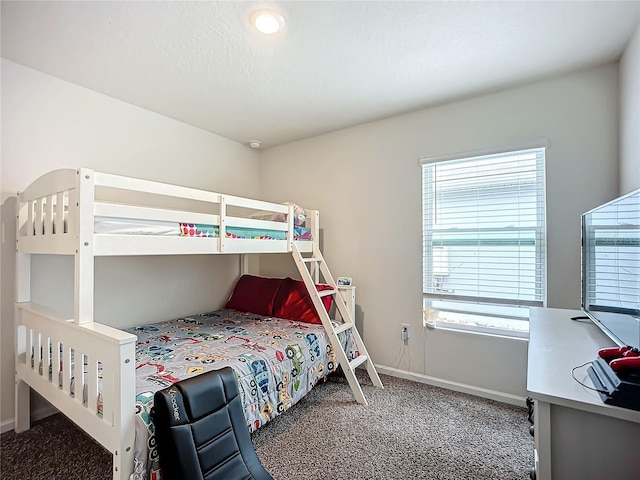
x=458, y=387
x=36, y=415
x=7, y=425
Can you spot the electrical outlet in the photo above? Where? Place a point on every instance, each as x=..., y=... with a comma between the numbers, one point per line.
x=405, y=333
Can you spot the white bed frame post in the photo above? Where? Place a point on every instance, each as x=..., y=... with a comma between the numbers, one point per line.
x=290, y=223
x=244, y=264
x=22, y=407
x=222, y=232
x=84, y=259
x=124, y=414
x=314, y=224
x=84, y=301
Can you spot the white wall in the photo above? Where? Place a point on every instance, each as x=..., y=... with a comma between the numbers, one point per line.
x=630, y=115
x=48, y=124
x=366, y=181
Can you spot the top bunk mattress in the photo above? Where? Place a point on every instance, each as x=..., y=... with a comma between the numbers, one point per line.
x=111, y=226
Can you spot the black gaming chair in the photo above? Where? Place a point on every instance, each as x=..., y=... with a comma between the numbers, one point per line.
x=201, y=431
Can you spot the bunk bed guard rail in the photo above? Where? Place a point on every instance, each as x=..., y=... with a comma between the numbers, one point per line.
x=57, y=213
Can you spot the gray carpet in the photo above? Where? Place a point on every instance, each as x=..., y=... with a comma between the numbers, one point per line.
x=408, y=431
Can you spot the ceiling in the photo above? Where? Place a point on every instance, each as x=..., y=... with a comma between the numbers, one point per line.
x=336, y=64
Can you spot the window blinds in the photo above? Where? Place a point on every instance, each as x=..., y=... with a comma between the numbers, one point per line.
x=484, y=228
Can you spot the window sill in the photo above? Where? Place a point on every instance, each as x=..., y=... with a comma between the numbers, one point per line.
x=476, y=329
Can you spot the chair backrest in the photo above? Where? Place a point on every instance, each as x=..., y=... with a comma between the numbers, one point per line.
x=201, y=431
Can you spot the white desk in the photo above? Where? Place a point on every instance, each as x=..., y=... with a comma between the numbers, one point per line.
x=577, y=436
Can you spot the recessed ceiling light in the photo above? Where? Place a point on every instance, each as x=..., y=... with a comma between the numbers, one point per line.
x=267, y=21
x=255, y=143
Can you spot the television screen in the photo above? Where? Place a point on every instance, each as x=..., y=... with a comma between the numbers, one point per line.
x=611, y=268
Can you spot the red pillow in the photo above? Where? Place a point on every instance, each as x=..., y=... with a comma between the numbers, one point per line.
x=254, y=294
x=293, y=301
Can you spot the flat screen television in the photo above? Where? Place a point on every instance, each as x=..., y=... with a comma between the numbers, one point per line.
x=611, y=268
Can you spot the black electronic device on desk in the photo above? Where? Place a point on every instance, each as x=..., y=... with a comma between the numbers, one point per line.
x=616, y=376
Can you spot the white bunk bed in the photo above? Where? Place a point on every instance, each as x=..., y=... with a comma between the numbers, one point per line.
x=60, y=214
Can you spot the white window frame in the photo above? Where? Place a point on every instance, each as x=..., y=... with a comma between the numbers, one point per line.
x=484, y=315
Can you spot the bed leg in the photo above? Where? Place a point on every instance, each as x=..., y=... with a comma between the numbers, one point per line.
x=23, y=406
x=123, y=463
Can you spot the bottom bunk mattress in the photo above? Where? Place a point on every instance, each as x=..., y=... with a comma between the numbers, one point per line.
x=276, y=362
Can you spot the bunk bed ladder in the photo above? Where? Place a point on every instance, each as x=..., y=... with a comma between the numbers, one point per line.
x=310, y=267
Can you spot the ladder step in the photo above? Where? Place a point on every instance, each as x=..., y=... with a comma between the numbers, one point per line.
x=359, y=360
x=324, y=293
x=343, y=327
x=311, y=259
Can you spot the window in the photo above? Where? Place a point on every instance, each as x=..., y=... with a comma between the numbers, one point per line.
x=484, y=239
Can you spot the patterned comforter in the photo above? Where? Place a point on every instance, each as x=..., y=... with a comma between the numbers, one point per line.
x=276, y=362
